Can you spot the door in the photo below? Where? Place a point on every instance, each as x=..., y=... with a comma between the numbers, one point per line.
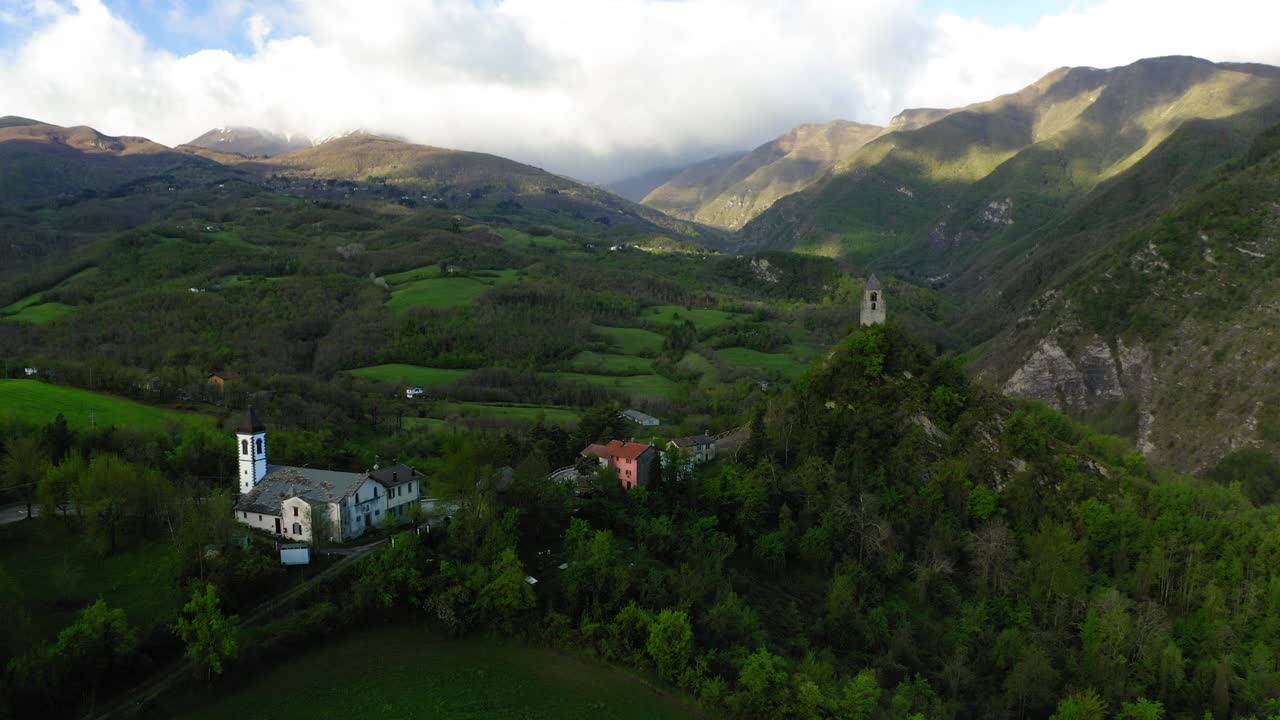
x=277, y=526
x=368, y=520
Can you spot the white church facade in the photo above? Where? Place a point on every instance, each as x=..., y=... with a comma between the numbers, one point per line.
x=291, y=501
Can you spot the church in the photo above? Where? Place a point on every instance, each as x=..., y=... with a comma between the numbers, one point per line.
x=292, y=501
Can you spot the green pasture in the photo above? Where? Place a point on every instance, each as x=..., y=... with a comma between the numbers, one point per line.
x=38, y=314
x=592, y=362
x=409, y=374
x=408, y=671
x=505, y=411
x=785, y=364
x=702, y=318
x=40, y=402
x=631, y=341
x=59, y=572
x=444, y=292
x=654, y=385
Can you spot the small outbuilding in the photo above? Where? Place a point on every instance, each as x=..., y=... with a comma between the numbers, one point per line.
x=640, y=418
x=295, y=554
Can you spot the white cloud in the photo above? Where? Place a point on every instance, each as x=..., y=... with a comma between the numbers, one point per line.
x=595, y=88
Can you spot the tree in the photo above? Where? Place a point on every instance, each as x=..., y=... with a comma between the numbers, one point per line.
x=319, y=524
x=55, y=487
x=111, y=492
x=763, y=679
x=97, y=646
x=24, y=466
x=1084, y=705
x=210, y=636
x=670, y=643
x=507, y=592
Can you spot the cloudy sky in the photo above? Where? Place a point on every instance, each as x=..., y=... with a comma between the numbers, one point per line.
x=597, y=89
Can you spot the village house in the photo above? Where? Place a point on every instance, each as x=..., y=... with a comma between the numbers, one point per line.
x=221, y=378
x=289, y=501
x=701, y=448
x=632, y=460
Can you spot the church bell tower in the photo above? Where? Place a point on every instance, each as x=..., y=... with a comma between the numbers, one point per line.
x=251, y=443
x=873, y=302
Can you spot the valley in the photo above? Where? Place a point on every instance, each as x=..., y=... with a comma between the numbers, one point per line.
x=661, y=461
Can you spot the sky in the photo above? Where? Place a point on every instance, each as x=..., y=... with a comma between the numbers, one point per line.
x=596, y=89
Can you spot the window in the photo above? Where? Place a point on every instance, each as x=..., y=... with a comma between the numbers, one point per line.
x=377, y=512
x=259, y=518
x=244, y=447
x=295, y=511
x=297, y=528
x=259, y=443
x=356, y=500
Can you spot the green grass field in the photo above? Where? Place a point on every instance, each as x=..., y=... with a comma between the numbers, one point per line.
x=41, y=402
x=58, y=573
x=631, y=341
x=413, y=673
x=655, y=385
x=591, y=362
x=39, y=314
x=443, y=292
x=702, y=318
x=505, y=411
x=785, y=364
x=409, y=374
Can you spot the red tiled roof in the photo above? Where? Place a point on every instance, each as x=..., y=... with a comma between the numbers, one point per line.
x=617, y=449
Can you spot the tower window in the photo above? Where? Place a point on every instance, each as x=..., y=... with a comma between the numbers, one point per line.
x=873, y=298
x=873, y=305
x=244, y=447
x=259, y=442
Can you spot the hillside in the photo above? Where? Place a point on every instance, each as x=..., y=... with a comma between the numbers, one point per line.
x=1168, y=332
x=935, y=199
x=250, y=141
x=729, y=191
x=42, y=163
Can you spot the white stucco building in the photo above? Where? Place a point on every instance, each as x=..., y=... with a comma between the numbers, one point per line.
x=290, y=501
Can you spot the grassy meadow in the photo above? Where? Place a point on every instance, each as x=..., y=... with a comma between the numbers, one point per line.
x=59, y=572
x=413, y=673
x=410, y=374
x=702, y=318
x=655, y=385
x=631, y=341
x=502, y=411
x=783, y=363
x=429, y=289
x=41, y=402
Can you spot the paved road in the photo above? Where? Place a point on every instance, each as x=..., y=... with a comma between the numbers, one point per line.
x=15, y=512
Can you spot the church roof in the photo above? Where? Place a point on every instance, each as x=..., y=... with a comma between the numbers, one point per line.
x=283, y=482
x=252, y=423
x=873, y=282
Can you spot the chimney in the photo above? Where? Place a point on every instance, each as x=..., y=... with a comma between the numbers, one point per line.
x=395, y=476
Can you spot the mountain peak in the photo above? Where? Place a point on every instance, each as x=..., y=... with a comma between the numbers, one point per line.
x=250, y=141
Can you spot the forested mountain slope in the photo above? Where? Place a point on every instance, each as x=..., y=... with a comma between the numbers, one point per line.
x=936, y=198
x=1169, y=331
x=728, y=192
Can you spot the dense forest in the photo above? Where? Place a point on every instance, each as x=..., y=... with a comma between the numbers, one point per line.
x=892, y=541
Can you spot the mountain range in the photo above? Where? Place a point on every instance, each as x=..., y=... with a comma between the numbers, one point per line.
x=1101, y=239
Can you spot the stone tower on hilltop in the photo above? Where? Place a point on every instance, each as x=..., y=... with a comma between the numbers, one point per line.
x=252, y=440
x=873, y=302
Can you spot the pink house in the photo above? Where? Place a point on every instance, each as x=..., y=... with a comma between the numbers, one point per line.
x=630, y=459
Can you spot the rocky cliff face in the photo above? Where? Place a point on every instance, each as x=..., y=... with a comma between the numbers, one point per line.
x=1187, y=401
